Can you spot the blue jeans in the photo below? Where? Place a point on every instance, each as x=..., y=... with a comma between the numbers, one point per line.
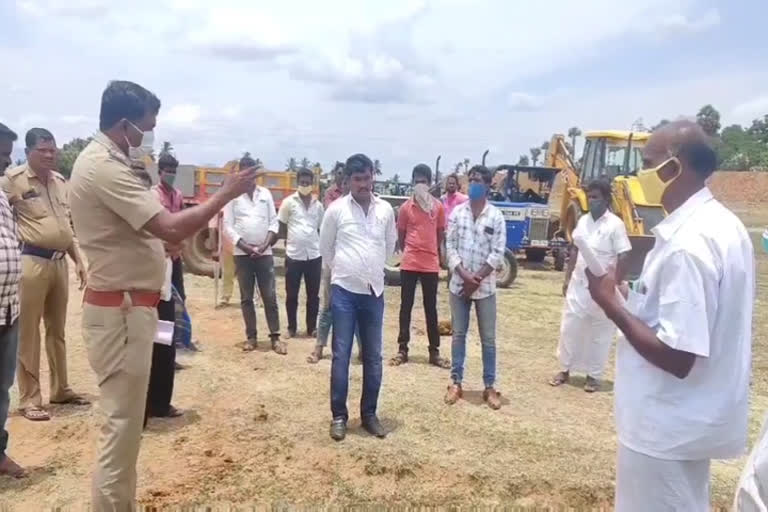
x=486, y=323
x=324, y=324
x=367, y=312
x=9, y=343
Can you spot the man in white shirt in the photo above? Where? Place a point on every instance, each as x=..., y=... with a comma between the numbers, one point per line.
x=476, y=240
x=300, y=217
x=585, y=332
x=250, y=221
x=683, y=364
x=357, y=236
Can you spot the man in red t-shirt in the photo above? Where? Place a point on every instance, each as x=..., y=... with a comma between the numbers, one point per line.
x=421, y=229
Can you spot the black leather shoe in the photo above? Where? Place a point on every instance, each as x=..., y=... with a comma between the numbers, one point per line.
x=338, y=429
x=374, y=427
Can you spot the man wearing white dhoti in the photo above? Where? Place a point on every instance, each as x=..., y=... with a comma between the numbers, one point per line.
x=586, y=333
x=683, y=362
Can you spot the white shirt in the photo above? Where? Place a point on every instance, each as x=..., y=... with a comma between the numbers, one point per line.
x=357, y=245
x=250, y=218
x=607, y=237
x=473, y=243
x=696, y=290
x=303, y=241
x=752, y=493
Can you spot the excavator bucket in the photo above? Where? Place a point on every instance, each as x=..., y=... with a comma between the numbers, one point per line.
x=641, y=245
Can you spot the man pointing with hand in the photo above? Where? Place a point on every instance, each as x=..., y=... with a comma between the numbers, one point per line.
x=683, y=363
x=121, y=226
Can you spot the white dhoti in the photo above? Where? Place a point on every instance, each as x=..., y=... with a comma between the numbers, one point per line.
x=752, y=494
x=645, y=484
x=585, y=342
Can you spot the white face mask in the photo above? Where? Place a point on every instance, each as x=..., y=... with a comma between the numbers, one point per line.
x=422, y=196
x=145, y=146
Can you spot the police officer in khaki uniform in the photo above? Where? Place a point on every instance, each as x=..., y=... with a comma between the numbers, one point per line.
x=120, y=225
x=39, y=197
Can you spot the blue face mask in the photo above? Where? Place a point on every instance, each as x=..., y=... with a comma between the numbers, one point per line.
x=477, y=190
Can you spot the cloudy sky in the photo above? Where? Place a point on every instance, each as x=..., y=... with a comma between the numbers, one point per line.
x=401, y=80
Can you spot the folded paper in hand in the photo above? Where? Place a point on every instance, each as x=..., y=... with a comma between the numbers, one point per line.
x=164, y=334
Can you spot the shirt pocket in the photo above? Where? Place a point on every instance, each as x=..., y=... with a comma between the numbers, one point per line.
x=32, y=207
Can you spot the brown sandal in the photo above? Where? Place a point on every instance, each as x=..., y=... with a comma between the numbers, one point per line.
x=440, y=362
x=559, y=379
x=280, y=347
x=315, y=356
x=398, y=360
x=35, y=413
x=492, y=398
x=454, y=394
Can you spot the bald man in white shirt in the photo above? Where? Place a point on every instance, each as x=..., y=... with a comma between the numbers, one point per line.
x=683, y=363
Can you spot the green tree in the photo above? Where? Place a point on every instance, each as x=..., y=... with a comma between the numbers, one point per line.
x=69, y=153
x=377, y=167
x=318, y=165
x=573, y=133
x=661, y=123
x=458, y=166
x=291, y=165
x=259, y=163
x=247, y=154
x=305, y=162
x=709, y=119
x=523, y=160
x=466, y=165
x=741, y=150
x=759, y=129
x=535, y=153
x=395, y=179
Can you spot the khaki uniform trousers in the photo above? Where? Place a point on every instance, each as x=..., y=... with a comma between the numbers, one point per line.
x=43, y=293
x=119, y=343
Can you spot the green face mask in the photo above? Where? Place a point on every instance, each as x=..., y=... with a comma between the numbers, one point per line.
x=168, y=178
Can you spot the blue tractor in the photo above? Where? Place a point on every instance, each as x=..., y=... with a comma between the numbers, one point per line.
x=523, y=198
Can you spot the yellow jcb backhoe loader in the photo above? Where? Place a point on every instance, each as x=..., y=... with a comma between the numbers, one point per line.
x=616, y=156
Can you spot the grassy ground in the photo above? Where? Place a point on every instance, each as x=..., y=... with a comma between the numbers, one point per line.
x=256, y=424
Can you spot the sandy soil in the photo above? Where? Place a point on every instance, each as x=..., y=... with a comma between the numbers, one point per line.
x=256, y=427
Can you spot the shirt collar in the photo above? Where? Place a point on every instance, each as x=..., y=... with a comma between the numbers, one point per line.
x=115, y=151
x=298, y=198
x=669, y=226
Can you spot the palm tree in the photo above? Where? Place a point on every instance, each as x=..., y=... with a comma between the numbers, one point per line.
x=377, y=167
x=246, y=154
x=523, y=160
x=259, y=163
x=317, y=165
x=573, y=132
x=535, y=153
x=305, y=162
x=458, y=166
x=291, y=165
x=167, y=149
x=395, y=178
x=545, y=146
x=466, y=165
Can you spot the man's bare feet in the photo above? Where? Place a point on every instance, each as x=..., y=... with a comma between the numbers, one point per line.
x=10, y=468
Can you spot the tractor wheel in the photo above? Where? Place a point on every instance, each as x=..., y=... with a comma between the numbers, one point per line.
x=508, y=271
x=560, y=255
x=535, y=255
x=197, y=253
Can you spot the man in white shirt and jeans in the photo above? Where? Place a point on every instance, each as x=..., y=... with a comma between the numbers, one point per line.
x=300, y=217
x=586, y=333
x=683, y=364
x=358, y=235
x=476, y=240
x=250, y=221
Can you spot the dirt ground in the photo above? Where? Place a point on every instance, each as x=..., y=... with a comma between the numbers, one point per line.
x=256, y=427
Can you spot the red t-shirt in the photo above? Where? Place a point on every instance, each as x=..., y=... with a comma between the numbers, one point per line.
x=420, y=253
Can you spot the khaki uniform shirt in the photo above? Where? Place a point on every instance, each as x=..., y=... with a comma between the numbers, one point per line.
x=110, y=206
x=42, y=209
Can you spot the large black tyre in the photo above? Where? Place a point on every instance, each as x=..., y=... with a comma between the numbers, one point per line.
x=560, y=255
x=197, y=253
x=535, y=255
x=508, y=272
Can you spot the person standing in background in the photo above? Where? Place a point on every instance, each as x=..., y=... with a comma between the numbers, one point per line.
x=336, y=190
x=357, y=237
x=421, y=230
x=300, y=217
x=121, y=226
x=453, y=196
x=586, y=334
x=40, y=198
x=173, y=200
x=10, y=274
x=476, y=240
x=250, y=221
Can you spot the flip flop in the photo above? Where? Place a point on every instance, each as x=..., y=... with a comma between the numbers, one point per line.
x=559, y=379
x=35, y=413
x=313, y=358
x=440, y=362
x=398, y=360
x=280, y=347
x=73, y=400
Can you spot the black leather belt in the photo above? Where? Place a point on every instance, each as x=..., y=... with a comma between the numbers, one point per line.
x=40, y=252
